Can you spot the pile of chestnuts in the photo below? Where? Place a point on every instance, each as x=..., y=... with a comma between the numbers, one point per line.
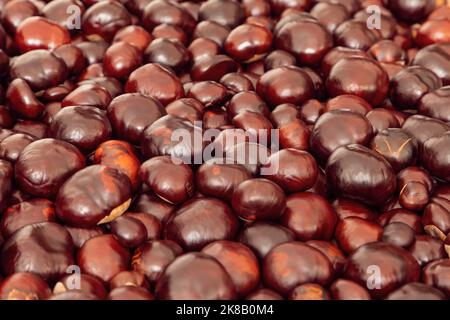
x=328, y=123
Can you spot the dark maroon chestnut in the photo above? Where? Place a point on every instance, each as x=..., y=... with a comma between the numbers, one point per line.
x=343, y=289
x=186, y=108
x=91, y=95
x=129, y=231
x=248, y=43
x=423, y=128
x=41, y=69
x=293, y=263
x=152, y=258
x=436, y=274
x=83, y=126
x=161, y=138
x=357, y=172
x=168, y=53
x=240, y=263
x=338, y=128
x=220, y=180
x=247, y=100
x=398, y=234
x=277, y=59
x=103, y=257
x=32, y=128
x=410, y=85
x=24, y=286
x=44, y=165
x=131, y=113
x=436, y=59
x=411, y=11
x=401, y=215
x=338, y=53
x=381, y=268
x=225, y=12
x=104, y=19
x=81, y=235
x=354, y=232
x=285, y=85
x=22, y=100
x=26, y=213
x=309, y=216
x=155, y=81
x=121, y=59
x=212, y=68
x=426, y=249
x=348, y=102
x=308, y=41
x=435, y=156
x=94, y=195
x=201, y=221
x=171, y=32
x=355, y=34
x=61, y=12
x=370, y=82
x=190, y=277
x=14, y=13
x=434, y=104
x=258, y=199
x=279, y=6
x=331, y=251
x=12, y=146
x=93, y=51
x=172, y=13
x=45, y=249
x=346, y=208
x=202, y=47
x=135, y=35
x=149, y=204
x=209, y=93
x=173, y=182
x=397, y=147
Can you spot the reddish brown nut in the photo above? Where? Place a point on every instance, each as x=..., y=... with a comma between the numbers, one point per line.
x=201, y=221
x=170, y=181
x=103, y=257
x=293, y=263
x=27, y=250
x=343, y=289
x=128, y=278
x=94, y=195
x=353, y=232
x=44, y=165
x=309, y=291
x=240, y=263
x=121, y=156
x=190, y=277
x=82, y=282
x=23, y=101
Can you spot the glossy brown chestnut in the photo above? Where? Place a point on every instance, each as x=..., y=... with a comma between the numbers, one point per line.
x=293, y=263
x=436, y=275
x=357, y=172
x=152, y=258
x=338, y=128
x=103, y=257
x=15, y=12
x=434, y=104
x=397, y=147
x=209, y=93
x=309, y=216
x=343, y=289
x=44, y=165
x=168, y=53
x=201, y=221
x=285, y=85
x=190, y=277
x=239, y=262
x=392, y=265
x=25, y=213
x=92, y=95
x=81, y=235
x=309, y=291
x=129, y=278
x=435, y=156
x=12, y=146
x=170, y=181
x=155, y=81
x=398, y=234
x=45, y=249
x=104, y=19
x=121, y=59
x=131, y=113
x=354, y=232
x=258, y=199
x=248, y=43
x=130, y=293
x=159, y=11
x=22, y=100
x=94, y=195
x=416, y=291
x=355, y=34
x=129, y=231
x=213, y=68
x=348, y=102
x=426, y=249
x=135, y=35
x=152, y=205
x=436, y=59
x=82, y=282
x=370, y=83
x=83, y=126
x=423, y=128
x=264, y=294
